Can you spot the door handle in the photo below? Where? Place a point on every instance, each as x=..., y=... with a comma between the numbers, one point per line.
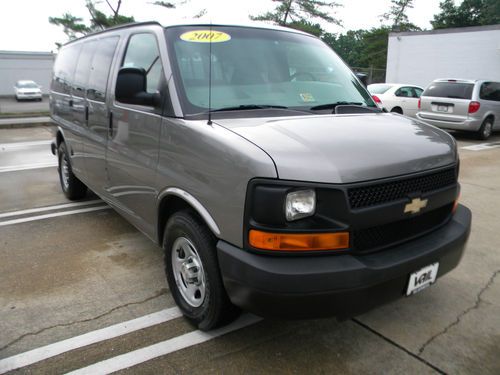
x=110, y=130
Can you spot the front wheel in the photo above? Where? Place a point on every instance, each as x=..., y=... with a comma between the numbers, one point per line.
x=485, y=130
x=71, y=186
x=193, y=274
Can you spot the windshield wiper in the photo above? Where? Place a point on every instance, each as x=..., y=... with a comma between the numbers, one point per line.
x=244, y=107
x=346, y=107
x=332, y=105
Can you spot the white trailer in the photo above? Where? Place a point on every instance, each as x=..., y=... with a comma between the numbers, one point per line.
x=420, y=57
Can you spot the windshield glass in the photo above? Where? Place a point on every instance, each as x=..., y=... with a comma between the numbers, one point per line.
x=27, y=85
x=449, y=90
x=257, y=67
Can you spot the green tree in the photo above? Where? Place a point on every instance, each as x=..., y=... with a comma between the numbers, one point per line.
x=468, y=13
x=74, y=27
x=299, y=12
x=398, y=17
x=361, y=48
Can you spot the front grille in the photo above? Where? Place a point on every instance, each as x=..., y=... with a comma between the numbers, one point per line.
x=365, y=196
x=370, y=239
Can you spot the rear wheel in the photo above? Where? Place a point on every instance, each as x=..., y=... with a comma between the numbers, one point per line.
x=486, y=129
x=397, y=110
x=71, y=186
x=193, y=272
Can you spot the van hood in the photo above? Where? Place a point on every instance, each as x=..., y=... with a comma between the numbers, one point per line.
x=346, y=148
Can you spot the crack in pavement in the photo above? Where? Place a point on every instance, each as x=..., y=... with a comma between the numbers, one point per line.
x=458, y=319
x=9, y=344
x=400, y=347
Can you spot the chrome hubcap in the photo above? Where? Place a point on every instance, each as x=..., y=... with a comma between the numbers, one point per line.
x=64, y=172
x=487, y=129
x=188, y=272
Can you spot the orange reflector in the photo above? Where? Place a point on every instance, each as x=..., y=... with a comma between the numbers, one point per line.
x=455, y=204
x=298, y=242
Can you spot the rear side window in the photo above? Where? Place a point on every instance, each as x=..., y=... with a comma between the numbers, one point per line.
x=378, y=89
x=83, y=69
x=452, y=90
x=490, y=91
x=405, y=92
x=142, y=52
x=64, y=68
x=418, y=92
x=101, y=65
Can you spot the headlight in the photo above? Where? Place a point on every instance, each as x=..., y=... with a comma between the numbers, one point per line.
x=300, y=204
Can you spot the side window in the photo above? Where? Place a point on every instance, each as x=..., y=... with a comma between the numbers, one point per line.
x=490, y=91
x=83, y=69
x=418, y=92
x=404, y=92
x=64, y=68
x=142, y=52
x=101, y=65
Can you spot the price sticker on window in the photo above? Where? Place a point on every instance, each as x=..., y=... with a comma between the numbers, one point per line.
x=205, y=36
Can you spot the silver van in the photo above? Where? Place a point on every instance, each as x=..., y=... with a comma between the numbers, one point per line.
x=465, y=105
x=261, y=165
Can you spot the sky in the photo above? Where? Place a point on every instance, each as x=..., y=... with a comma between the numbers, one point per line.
x=24, y=24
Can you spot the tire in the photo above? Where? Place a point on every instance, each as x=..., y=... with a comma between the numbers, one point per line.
x=71, y=186
x=197, y=290
x=397, y=110
x=485, y=130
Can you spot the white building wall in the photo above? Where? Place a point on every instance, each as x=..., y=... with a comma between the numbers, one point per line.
x=420, y=57
x=15, y=66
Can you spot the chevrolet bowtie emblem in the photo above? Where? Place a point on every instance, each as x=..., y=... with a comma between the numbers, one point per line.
x=416, y=205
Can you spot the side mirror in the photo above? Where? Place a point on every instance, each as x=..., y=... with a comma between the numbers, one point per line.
x=131, y=88
x=363, y=78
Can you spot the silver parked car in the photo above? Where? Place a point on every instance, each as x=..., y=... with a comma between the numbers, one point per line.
x=466, y=105
x=396, y=97
x=27, y=90
x=261, y=165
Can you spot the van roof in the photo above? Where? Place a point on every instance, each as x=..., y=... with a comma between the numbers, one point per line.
x=197, y=22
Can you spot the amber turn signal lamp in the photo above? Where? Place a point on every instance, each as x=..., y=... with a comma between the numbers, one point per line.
x=455, y=204
x=298, y=242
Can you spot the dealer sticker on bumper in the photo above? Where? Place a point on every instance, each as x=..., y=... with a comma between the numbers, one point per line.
x=422, y=279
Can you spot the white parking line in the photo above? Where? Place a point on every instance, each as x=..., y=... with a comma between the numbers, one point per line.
x=18, y=145
x=162, y=348
x=23, y=167
x=120, y=329
x=55, y=214
x=48, y=208
x=482, y=146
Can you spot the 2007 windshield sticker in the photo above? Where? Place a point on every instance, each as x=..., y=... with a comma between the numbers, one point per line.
x=205, y=36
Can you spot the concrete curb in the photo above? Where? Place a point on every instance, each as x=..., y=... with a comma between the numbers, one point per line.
x=14, y=123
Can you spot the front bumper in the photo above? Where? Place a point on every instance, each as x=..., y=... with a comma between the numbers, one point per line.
x=28, y=96
x=470, y=124
x=336, y=285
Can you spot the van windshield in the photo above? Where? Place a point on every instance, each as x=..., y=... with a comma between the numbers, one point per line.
x=255, y=68
x=27, y=85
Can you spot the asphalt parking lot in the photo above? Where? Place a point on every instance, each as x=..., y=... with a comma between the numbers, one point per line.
x=81, y=287
x=9, y=105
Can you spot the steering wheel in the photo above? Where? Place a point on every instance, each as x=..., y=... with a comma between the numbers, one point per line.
x=307, y=74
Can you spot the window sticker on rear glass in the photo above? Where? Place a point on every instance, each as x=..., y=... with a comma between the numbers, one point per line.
x=307, y=97
x=205, y=36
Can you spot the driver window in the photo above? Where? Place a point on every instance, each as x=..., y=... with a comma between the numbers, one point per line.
x=142, y=52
